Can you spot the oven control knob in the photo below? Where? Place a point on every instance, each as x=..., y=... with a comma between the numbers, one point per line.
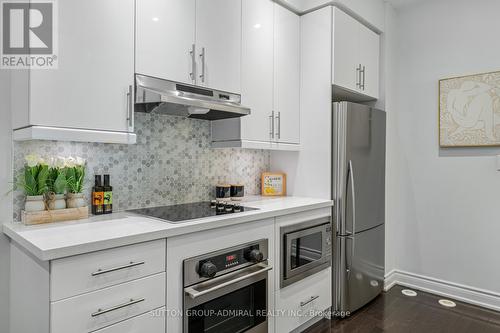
x=255, y=256
x=208, y=270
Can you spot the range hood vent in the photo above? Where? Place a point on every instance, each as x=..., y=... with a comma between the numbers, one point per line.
x=179, y=99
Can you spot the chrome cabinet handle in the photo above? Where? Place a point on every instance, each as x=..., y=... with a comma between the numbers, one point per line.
x=192, y=75
x=130, y=108
x=271, y=119
x=358, y=76
x=278, y=133
x=117, y=307
x=363, y=72
x=193, y=293
x=104, y=271
x=202, y=56
x=313, y=298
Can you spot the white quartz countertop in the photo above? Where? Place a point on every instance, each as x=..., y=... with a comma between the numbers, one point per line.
x=58, y=240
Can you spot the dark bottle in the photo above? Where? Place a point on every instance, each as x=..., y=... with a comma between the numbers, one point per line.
x=97, y=196
x=108, y=196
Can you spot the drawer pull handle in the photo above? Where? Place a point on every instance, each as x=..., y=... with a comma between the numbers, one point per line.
x=309, y=300
x=117, y=307
x=104, y=271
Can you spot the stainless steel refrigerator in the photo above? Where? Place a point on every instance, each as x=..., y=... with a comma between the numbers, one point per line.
x=359, y=213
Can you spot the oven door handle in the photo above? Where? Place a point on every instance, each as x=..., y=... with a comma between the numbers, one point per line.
x=193, y=293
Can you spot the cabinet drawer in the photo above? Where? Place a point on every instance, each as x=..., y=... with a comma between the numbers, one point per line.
x=108, y=306
x=303, y=300
x=92, y=271
x=140, y=324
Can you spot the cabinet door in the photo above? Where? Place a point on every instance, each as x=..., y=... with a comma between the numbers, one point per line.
x=96, y=68
x=164, y=39
x=345, y=51
x=287, y=75
x=218, y=44
x=370, y=57
x=257, y=68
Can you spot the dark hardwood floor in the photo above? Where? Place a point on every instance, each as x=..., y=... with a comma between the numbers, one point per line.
x=394, y=312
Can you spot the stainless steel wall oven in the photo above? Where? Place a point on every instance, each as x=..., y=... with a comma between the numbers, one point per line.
x=226, y=291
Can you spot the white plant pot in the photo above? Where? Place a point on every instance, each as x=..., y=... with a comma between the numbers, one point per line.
x=75, y=200
x=57, y=201
x=34, y=203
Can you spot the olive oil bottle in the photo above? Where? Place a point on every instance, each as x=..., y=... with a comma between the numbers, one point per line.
x=97, y=196
x=108, y=196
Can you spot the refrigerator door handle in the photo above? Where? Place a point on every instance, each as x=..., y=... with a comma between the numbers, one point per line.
x=350, y=171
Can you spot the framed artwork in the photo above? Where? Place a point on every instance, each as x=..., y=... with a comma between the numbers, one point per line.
x=469, y=111
x=273, y=184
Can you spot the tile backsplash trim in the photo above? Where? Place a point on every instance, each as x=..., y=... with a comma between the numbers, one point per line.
x=171, y=163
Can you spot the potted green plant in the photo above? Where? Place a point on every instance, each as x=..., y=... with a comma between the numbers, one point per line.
x=33, y=180
x=75, y=176
x=56, y=185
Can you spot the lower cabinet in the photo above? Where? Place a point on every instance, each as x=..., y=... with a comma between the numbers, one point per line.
x=302, y=301
x=98, y=309
x=121, y=289
x=151, y=322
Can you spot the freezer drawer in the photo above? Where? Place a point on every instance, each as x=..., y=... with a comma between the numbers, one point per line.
x=359, y=269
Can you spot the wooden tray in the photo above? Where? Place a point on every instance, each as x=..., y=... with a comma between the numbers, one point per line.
x=59, y=215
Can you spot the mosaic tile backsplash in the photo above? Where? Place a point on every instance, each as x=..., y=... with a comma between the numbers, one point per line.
x=171, y=163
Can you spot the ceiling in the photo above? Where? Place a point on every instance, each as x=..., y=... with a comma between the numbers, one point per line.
x=401, y=3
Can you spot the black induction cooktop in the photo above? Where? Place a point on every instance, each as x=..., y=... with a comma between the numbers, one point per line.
x=185, y=212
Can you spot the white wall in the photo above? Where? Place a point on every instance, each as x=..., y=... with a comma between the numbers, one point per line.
x=445, y=207
x=5, y=200
x=387, y=102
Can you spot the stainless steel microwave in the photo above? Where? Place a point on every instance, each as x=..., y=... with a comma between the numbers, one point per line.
x=306, y=248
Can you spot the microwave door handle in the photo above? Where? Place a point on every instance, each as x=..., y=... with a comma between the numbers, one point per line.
x=193, y=293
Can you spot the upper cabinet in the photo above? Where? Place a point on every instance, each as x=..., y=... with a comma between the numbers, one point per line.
x=286, y=75
x=270, y=81
x=218, y=44
x=165, y=39
x=190, y=41
x=89, y=96
x=257, y=69
x=356, y=54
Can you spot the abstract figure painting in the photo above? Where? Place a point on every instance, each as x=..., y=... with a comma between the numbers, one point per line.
x=469, y=111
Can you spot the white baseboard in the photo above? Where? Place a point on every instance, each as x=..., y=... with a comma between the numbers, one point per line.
x=467, y=294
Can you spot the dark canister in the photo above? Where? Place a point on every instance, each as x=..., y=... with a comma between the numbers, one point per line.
x=237, y=191
x=223, y=191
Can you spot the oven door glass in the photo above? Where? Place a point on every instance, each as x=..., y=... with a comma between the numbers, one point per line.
x=238, y=311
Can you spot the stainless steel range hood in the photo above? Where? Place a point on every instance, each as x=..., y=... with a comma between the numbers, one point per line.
x=179, y=99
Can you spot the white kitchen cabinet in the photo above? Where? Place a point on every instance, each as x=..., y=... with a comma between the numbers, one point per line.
x=89, y=291
x=191, y=41
x=101, y=308
x=270, y=81
x=257, y=68
x=165, y=39
x=151, y=322
x=355, y=56
x=302, y=301
x=91, y=90
x=218, y=44
x=345, y=50
x=370, y=59
x=97, y=270
x=286, y=75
